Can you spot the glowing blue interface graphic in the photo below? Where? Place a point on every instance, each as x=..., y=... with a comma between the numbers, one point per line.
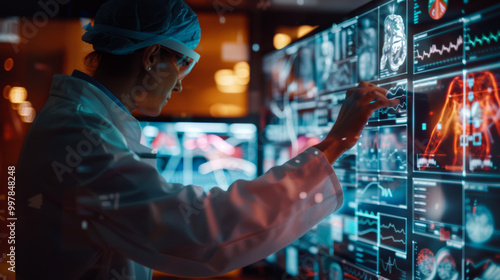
x=422, y=185
x=203, y=153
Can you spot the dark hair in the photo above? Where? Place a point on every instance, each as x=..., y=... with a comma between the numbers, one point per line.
x=113, y=64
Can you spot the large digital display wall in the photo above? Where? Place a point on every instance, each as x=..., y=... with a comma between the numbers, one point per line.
x=422, y=186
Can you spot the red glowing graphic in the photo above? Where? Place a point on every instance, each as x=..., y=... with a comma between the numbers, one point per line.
x=437, y=8
x=426, y=262
x=444, y=235
x=478, y=111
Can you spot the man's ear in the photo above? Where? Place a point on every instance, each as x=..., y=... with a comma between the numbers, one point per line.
x=151, y=57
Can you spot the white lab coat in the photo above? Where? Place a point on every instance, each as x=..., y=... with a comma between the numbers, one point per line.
x=91, y=208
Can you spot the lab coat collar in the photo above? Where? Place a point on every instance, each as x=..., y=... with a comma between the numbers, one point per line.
x=91, y=80
x=93, y=100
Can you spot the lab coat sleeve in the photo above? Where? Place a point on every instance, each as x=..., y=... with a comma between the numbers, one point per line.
x=185, y=231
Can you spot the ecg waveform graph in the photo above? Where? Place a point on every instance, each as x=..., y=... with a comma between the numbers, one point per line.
x=395, y=90
x=482, y=37
x=383, y=191
x=393, y=232
x=393, y=265
x=435, y=50
x=390, y=265
x=438, y=48
x=368, y=226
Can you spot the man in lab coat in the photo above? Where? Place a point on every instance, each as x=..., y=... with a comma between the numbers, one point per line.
x=93, y=206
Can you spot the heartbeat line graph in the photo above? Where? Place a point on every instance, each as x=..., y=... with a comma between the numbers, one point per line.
x=393, y=239
x=385, y=191
x=389, y=265
x=369, y=214
x=393, y=91
x=391, y=225
x=364, y=232
x=367, y=222
x=399, y=107
x=482, y=38
x=393, y=156
x=434, y=49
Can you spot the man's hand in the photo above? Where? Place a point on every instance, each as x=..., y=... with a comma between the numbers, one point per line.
x=359, y=105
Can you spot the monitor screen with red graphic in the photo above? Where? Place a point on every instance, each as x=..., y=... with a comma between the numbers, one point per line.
x=421, y=187
x=205, y=154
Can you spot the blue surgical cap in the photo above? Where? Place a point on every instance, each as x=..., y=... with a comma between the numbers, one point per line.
x=124, y=26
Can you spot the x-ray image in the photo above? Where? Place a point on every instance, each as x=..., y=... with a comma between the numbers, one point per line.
x=368, y=46
x=336, y=57
x=393, y=39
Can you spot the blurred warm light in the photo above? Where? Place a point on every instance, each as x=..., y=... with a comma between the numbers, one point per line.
x=224, y=110
x=225, y=77
x=6, y=91
x=17, y=95
x=25, y=109
x=8, y=64
x=233, y=81
x=29, y=118
x=242, y=71
x=304, y=29
x=281, y=40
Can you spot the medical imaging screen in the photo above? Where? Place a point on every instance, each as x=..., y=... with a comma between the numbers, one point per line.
x=205, y=154
x=422, y=185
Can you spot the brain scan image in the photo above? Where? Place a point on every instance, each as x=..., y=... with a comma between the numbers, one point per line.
x=426, y=263
x=479, y=224
x=446, y=266
x=394, y=44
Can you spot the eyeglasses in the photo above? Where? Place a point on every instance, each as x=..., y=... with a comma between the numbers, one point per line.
x=183, y=64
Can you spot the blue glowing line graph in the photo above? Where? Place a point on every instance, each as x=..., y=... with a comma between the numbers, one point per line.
x=400, y=106
x=367, y=222
x=391, y=225
x=396, y=155
x=393, y=239
x=364, y=232
x=482, y=38
x=368, y=214
x=390, y=264
x=393, y=91
x=386, y=192
x=434, y=49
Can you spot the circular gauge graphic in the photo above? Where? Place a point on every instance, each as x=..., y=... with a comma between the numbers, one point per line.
x=437, y=8
x=335, y=272
x=446, y=265
x=479, y=224
x=426, y=263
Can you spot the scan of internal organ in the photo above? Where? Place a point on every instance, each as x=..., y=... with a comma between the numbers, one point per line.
x=481, y=112
x=367, y=51
x=326, y=58
x=446, y=265
x=394, y=49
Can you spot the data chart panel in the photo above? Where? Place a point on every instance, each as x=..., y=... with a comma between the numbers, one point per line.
x=438, y=48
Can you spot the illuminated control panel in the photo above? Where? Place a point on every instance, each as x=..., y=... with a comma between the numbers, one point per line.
x=421, y=186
